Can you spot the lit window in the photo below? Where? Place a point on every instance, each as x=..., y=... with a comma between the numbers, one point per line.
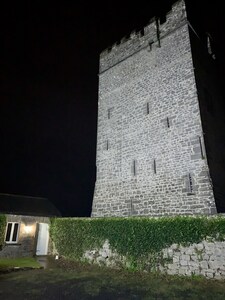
x=12, y=232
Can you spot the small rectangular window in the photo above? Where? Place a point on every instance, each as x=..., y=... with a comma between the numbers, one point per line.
x=8, y=232
x=107, y=145
x=201, y=149
x=168, y=122
x=147, y=108
x=134, y=167
x=12, y=232
x=189, y=184
x=154, y=166
x=15, y=232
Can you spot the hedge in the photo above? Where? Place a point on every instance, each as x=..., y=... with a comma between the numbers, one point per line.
x=2, y=229
x=132, y=237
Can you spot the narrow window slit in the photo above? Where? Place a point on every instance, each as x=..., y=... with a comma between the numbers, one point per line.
x=168, y=122
x=107, y=145
x=190, y=183
x=154, y=166
x=134, y=167
x=200, y=144
x=15, y=232
x=147, y=108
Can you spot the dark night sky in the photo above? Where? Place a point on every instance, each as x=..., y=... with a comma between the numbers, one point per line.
x=48, y=104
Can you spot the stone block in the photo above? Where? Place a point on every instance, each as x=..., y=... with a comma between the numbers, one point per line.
x=189, y=251
x=183, y=262
x=204, y=265
x=209, y=275
x=200, y=247
x=176, y=259
x=185, y=257
x=193, y=264
x=182, y=270
x=217, y=276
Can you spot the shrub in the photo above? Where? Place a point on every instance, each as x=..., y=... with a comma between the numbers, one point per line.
x=133, y=237
x=2, y=229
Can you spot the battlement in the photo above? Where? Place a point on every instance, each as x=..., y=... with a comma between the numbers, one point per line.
x=151, y=33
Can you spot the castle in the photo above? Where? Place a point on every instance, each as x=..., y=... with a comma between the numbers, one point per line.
x=158, y=121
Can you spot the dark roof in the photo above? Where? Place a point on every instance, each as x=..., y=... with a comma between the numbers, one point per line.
x=27, y=205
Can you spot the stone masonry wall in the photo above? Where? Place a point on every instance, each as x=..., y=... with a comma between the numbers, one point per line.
x=206, y=258
x=150, y=149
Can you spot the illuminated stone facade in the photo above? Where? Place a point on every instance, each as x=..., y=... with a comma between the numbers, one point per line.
x=151, y=157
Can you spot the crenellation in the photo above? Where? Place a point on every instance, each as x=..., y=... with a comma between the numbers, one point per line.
x=150, y=29
x=153, y=32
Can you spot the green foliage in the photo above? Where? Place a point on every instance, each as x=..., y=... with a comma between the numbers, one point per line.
x=21, y=262
x=136, y=238
x=2, y=229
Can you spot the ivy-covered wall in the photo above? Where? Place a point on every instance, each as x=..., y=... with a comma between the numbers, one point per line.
x=2, y=229
x=135, y=238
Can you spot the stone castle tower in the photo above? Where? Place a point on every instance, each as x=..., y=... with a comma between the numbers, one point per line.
x=151, y=150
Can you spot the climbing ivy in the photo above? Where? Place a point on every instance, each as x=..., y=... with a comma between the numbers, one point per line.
x=2, y=229
x=134, y=237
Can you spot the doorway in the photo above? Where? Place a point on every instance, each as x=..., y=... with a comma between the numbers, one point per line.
x=43, y=238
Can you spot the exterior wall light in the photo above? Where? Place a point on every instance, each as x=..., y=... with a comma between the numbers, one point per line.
x=28, y=229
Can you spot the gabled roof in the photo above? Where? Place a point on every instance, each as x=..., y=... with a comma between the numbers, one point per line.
x=27, y=205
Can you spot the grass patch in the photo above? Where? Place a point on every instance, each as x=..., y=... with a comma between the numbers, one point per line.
x=22, y=262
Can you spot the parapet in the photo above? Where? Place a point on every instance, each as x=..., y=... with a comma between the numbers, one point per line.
x=151, y=33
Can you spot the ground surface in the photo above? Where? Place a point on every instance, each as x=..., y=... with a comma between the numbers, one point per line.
x=66, y=280
x=22, y=262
